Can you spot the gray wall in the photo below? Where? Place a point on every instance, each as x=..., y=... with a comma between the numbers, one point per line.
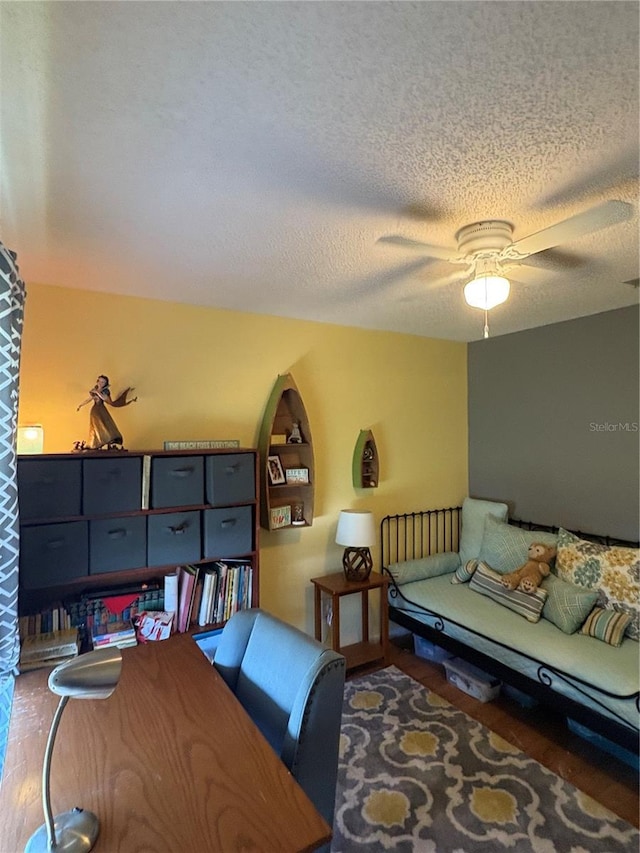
x=553, y=423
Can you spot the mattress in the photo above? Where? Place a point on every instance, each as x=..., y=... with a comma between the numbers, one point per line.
x=567, y=658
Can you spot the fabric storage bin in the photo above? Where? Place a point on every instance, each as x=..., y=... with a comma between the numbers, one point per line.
x=523, y=699
x=112, y=484
x=117, y=543
x=228, y=532
x=471, y=680
x=177, y=481
x=173, y=537
x=230, y=479
x=603, y=743
x=53, y=554
x=429, y=651
x=49, y=488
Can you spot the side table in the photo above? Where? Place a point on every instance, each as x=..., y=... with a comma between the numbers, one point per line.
x=336, y=585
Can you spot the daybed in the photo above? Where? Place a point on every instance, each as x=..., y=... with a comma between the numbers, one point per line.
x=568, y=658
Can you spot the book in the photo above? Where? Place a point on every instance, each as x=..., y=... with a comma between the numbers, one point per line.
x=146, y=481
x=49, y=645
x=218, y=611
x=28, y=665
x=188, y=578
x=209, y=595
x=171, y=583
x=120, y=642
x=112, y=633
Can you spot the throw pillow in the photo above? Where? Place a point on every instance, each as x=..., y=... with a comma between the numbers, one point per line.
x=504, y=547
x=606, y=625
x=487, y=582
x=463, y=574
x=611, y=569
x=474, y=513
x=567, y=605
x=424, y=567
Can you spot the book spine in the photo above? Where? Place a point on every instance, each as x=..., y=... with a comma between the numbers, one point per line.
x=171, y=594
x=146, y=481
x=50, y=652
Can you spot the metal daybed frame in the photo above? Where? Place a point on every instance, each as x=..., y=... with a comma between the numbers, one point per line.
x=418, y=534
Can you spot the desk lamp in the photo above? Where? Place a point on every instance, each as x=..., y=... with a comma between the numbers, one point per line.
x=357, y=531
x=93, y=675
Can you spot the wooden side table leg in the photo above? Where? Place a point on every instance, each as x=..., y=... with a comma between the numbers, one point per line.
x=317, y=600
x=384, y=623
x=365, y=615
x=335, y=605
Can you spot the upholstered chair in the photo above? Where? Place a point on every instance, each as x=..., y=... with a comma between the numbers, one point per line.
x=292, y=687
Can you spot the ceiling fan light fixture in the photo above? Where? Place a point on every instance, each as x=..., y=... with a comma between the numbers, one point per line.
x=487, y=291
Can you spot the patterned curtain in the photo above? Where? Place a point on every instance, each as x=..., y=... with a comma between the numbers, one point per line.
x=12, y=295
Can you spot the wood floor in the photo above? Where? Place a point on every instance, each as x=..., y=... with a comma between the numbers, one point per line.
x=541, y=735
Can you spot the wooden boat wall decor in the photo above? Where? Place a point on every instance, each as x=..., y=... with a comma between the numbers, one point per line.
x=286, y=459
x=366, y=466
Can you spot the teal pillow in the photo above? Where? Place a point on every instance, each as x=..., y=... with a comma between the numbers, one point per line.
x=474, y=513
x=504, y=547
x=424, y=567
x=567, y=605
x=489, y=583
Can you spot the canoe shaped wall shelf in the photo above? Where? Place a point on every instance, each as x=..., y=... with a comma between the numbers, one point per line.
x=366, y=467
x=286, y=459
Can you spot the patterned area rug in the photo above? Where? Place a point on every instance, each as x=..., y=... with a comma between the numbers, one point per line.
x=419, y=776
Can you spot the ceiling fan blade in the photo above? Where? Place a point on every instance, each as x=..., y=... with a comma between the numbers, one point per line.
x=443, y=281
x=602, y=216
x=553, y=259
x=433, y=251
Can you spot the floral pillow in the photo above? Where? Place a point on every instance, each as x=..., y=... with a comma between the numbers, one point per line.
x=611, y=569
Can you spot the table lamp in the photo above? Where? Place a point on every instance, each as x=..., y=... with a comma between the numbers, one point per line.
x=93, y=675
x=356, y=530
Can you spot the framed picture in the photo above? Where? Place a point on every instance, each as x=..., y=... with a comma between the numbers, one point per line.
x=276, y=474
x=297, y=475
x=280, y=516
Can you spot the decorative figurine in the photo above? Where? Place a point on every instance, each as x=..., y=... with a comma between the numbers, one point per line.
x=103, y=432
x=295, y=437
x=297, y=517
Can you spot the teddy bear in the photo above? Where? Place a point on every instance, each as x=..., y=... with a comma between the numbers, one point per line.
x=528, y=577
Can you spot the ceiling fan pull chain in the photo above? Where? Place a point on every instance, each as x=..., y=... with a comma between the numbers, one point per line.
x=486, y=323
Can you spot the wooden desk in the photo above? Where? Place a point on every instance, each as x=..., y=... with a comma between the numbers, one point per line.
x=336, y=585
x=170, y=762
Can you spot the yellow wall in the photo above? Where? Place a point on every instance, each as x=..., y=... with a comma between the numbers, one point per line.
x=203, y=373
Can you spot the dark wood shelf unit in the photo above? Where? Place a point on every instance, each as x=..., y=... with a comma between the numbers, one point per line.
x=223, y=518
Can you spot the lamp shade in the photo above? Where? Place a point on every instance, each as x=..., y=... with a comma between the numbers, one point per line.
x=30, y=438
x=93, y=675
x=487, y=291
x=356, y=529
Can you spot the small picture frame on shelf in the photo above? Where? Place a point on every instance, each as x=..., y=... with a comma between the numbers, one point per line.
x=297, y=475
x=280, y=516
x=276, y=474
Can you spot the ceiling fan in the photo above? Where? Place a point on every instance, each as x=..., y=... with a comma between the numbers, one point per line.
x=486, y=251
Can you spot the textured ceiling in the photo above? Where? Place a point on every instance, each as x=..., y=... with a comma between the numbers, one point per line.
x=249, y=155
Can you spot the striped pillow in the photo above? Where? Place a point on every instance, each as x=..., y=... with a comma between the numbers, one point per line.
x=606, y=625
x=464, y=573
x=487, y=582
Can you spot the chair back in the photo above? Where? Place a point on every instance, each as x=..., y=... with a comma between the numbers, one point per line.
x=292, y=687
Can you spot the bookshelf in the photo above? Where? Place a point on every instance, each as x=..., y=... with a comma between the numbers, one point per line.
x=115, y=521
